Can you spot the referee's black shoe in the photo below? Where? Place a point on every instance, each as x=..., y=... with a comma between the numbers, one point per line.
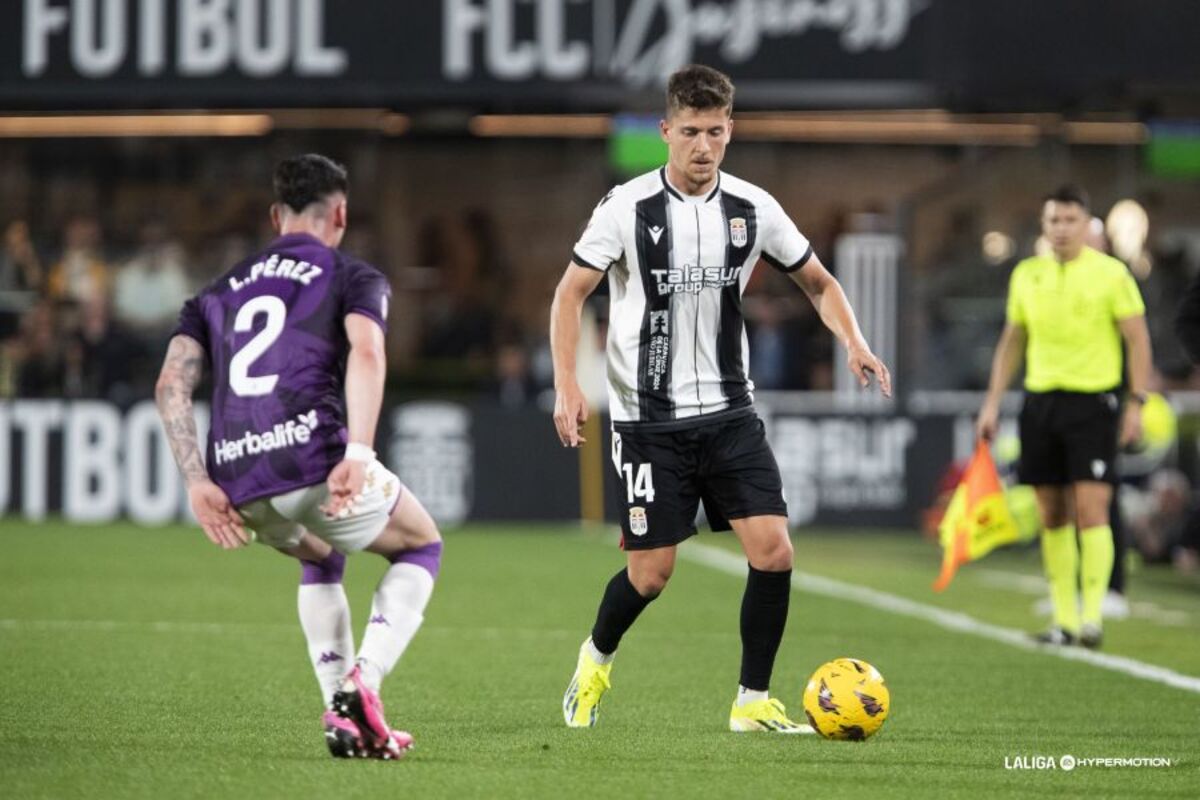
x=1055, y=636
x=1090, y=636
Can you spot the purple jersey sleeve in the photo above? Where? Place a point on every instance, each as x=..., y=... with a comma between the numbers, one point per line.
x=191, y=323
x=365, y=291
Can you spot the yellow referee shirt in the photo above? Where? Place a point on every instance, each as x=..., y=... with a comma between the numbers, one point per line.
x=1070, y=313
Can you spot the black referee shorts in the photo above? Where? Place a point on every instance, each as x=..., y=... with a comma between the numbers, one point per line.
x=1068, y=437
x=663, y=477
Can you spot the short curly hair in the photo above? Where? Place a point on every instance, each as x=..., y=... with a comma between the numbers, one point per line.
x=303, y=180
x=699, y=87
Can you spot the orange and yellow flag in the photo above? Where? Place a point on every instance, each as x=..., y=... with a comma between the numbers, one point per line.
x=977, y=519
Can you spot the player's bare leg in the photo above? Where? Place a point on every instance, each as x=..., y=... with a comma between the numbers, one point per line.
x=411, y=542
x=625, y=597
x=768, y=550
x=1060, y=559
x=649, y=571
x=1096, y=555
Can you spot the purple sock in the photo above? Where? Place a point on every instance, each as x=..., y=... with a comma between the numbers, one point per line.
x=327, y=570
x=428, y=557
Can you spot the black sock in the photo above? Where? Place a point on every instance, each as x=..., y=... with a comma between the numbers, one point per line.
x=764, y=615
x=618, y=610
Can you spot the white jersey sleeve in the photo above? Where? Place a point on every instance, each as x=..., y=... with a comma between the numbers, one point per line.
x=600, y=245
x=784, y=246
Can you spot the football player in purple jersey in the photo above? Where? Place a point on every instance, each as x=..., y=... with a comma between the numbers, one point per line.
x=293, y=337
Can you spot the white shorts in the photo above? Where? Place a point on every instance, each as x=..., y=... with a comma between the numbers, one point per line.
x=280, y=521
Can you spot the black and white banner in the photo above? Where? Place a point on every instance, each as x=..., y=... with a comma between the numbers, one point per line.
x=91, y=461
x=593, y=55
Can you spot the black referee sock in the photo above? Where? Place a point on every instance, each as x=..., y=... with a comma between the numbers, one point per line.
x=764, y=615
x=618, y=610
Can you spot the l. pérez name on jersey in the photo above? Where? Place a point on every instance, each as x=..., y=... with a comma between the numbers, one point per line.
x=694, y=279
x=299, y=271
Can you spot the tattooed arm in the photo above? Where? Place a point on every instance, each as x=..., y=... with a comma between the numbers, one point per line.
x=181, y=371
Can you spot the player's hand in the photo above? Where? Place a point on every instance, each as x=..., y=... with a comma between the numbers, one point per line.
x=987, y=422
x=570, y=412
x=1131, y=425
x=863, y=363
x=221, y=522
x=345, y=483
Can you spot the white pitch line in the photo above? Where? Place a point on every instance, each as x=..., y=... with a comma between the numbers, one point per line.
x=735, y=564
x=231, y=628
x=159, y=626
x=1036, y=586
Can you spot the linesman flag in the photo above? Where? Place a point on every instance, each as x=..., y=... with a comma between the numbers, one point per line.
x=977, y=520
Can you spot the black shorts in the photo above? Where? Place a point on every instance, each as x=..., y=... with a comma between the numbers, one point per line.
x=1068, y=437
x=663, y=477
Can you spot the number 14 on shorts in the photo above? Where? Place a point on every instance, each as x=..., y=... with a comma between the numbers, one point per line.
x=639, y=480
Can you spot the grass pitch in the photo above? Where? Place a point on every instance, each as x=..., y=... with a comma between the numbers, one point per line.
x=139, y=663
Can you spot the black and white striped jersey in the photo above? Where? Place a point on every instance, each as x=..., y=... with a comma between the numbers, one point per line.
x=677, y=266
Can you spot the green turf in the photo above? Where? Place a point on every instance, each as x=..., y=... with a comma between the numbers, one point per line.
x=150, y=664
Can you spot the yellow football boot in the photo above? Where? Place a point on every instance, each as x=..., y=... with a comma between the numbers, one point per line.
x=581, y=703
x=764, y=715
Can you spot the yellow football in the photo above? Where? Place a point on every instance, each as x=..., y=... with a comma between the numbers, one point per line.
x=846, y=699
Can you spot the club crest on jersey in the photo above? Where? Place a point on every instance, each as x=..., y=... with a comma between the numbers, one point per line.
x=737, y=232
x=638, y=525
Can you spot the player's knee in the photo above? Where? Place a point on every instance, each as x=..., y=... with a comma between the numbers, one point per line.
x=1051, y=521
x=1092, y=518
x=778, y=556
x=785, y=555
x=650, y=579
x=1055, y=515
x=650, y=586
x=427, y=556
x=327, y=569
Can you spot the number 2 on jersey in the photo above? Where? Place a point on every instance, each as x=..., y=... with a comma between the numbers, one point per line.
x=639, y=485
x=240, y=380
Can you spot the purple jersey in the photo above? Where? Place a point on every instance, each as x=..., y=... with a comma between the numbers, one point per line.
x=273, y=328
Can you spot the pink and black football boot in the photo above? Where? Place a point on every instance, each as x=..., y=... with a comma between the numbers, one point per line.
x=356, y=702
x=346, y=741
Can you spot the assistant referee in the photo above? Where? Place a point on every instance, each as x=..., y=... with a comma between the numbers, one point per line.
x=1067, y=314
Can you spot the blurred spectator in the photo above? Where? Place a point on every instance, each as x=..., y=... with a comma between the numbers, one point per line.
x=81, y=273
x=461, y=318
x=1185, y=556
x=104, y=359
x=1163, y=519
x=497, y=271
x=39, y=356
x=151, y=287
x=789, y=347
x=20, y=276
x=768, y=346
x=20, y=269
x=1163, y=291
x=515, y=385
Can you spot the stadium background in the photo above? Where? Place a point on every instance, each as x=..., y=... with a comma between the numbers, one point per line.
x=909, y=139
